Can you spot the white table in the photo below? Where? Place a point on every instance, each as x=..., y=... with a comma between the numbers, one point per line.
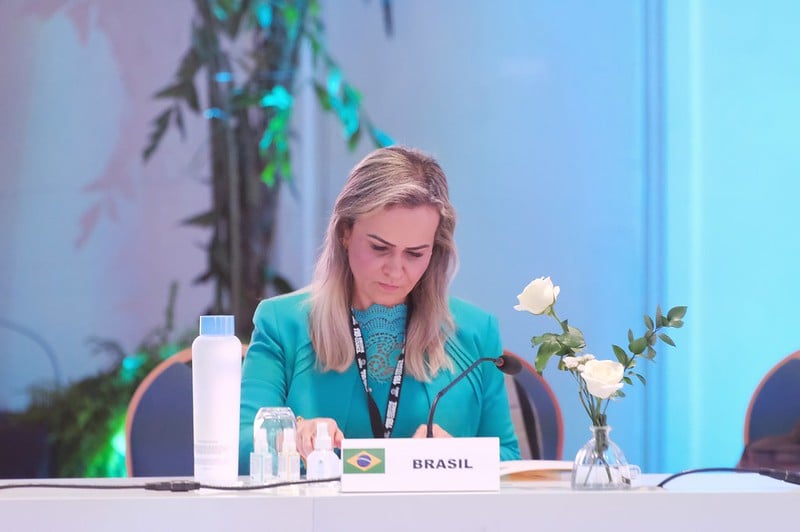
x=701, y=502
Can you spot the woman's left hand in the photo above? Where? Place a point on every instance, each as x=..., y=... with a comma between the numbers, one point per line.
x=438, y=432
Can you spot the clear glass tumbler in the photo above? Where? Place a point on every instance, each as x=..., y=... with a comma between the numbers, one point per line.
x=274, y=420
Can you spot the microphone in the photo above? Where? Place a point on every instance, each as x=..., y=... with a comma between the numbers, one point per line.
x=506, y=364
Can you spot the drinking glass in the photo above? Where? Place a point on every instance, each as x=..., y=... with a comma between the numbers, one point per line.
x=274, y=420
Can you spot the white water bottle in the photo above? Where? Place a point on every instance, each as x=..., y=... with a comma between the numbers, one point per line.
x=216, y=382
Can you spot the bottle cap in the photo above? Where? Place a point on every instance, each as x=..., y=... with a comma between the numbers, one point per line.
x=323, y=439
x=216, y=325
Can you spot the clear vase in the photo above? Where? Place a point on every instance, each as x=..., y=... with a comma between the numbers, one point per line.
x=600, y=464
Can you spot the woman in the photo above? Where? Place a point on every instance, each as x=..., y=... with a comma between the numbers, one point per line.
x=382, y=277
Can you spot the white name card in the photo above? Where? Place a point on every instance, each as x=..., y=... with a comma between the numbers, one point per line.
x=420, y=464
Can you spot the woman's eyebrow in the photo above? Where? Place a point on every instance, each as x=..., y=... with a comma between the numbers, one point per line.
x=412, y=248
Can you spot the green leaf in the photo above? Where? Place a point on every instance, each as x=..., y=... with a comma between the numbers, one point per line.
x=619, y=393
x=291, y=14
x=546, y=337
x=352, y=142
x=334, y=83
x=666, y=339
x=266, y=140
x=651, y=337
x=638, y=346
x=219, y=12
x=546, y=351
x=648, y=322
x=351, y=96
x=264, y=14
x=641, y=378
x=621, y=355
x=627, y=380
x=268, y=174
x=278, y=97
x=379, y=138
x=316, y=48
x=661, y=321
x=630, y=335
x=286, y=165
x=574, y=331
x=349, y=118
x=676, y=313
x=572, y=340
x=323, y=97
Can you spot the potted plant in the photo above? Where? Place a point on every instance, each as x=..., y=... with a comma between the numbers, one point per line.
x=246, y=56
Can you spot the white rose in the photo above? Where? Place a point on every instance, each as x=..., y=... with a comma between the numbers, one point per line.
x=570, y=362
x=603, y=377
x=538, y=296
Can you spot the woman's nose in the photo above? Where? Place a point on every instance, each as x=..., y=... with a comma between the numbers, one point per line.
x=393, y=265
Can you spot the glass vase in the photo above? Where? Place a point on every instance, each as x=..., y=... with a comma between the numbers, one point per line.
x=600, y=464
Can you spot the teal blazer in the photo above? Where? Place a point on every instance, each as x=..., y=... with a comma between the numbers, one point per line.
x=280, y=370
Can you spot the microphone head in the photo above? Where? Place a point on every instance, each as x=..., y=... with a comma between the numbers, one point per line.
x=508, y=365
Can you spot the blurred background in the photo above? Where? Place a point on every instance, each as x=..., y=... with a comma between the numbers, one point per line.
x=639, y=152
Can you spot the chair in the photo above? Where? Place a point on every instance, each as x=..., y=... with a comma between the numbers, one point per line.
x=535, y=413
x=773, y=413
x=158, y=425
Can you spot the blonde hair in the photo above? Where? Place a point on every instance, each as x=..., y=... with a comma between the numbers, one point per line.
x=388, y=177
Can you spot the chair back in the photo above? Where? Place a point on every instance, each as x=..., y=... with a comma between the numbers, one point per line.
x=158, y=425
x=774, y=407
x=535, y=413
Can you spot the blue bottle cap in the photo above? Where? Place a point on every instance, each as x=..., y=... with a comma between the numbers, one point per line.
x=216, y=325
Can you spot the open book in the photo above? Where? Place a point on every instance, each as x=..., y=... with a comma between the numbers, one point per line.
x=535, y=469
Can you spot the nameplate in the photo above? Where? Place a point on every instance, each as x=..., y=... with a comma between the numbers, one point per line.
x=420, y=464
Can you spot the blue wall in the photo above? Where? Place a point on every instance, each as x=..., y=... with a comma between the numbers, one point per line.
x=732, y=163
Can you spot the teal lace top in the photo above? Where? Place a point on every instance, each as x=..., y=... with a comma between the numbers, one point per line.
x=384, y=332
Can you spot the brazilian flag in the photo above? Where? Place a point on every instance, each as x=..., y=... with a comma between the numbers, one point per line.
x=361, y=461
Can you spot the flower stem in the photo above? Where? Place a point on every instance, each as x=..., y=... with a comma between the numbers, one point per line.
x=564, y=327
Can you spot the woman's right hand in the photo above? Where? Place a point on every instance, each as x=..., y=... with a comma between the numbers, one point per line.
x=307, y=433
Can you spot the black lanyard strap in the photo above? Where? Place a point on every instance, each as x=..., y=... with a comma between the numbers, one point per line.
x=379, y=430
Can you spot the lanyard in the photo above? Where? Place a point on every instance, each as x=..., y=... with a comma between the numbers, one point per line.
x=379, y=430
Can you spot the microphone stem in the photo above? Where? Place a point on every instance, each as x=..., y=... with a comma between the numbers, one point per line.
x=429, y=433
